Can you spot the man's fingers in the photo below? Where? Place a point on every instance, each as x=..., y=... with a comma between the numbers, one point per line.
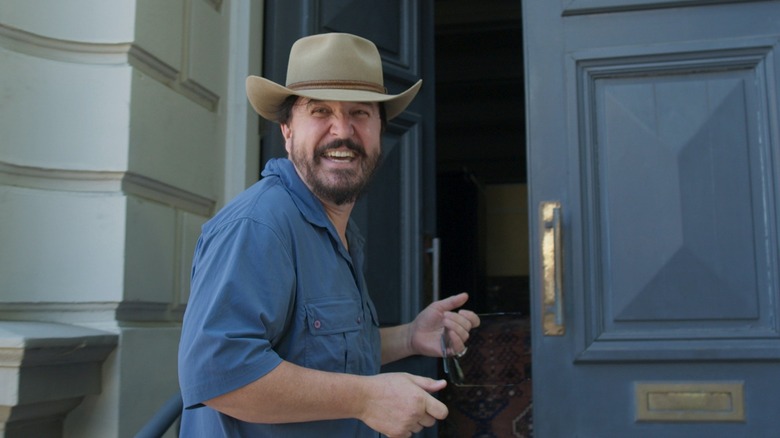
x=428, y=384
x=455, y=301
x=457, y=324
x=472, y=317
x=436, y=409
x=427, y=421
x=464, y=318
x=457, y=327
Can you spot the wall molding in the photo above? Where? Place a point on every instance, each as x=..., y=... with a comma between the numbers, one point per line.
x=40, y=46
x=48, y=369
x=109, y=182
x=78, y=313
x=78, y=52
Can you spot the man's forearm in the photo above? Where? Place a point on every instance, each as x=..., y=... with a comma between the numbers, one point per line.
x=396, y=343
x=291, y=394
x=394, y=404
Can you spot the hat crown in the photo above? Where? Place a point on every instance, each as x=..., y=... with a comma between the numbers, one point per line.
x=334, y=58
x=333, y=66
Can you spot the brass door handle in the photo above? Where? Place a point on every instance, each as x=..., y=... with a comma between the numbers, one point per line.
x=552, y=269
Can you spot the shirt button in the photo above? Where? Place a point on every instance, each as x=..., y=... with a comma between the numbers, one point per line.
x=359, y=320
x=317, y=324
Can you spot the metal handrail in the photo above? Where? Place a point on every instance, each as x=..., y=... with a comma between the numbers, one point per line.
x=163, y=419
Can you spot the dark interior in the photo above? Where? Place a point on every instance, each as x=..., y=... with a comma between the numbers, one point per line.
x=479, y=89
x=480, y=138
x=480, y=141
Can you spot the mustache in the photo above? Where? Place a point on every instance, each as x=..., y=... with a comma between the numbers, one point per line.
x=342, y=142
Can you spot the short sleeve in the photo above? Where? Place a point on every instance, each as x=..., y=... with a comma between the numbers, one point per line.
x=241, y=298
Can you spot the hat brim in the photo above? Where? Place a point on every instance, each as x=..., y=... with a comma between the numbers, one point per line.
x=266, y=96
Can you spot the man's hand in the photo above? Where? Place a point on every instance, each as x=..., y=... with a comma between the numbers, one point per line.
x=426, y=329
x=400, y=404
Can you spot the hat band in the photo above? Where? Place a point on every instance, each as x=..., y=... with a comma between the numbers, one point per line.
x=338, y=84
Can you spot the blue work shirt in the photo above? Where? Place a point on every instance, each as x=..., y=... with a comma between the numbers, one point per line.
x=271, y=281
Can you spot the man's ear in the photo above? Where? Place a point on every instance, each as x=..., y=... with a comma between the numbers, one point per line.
x=286, y=131
x=286, y=135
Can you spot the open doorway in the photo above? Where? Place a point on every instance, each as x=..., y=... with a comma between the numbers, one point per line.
x=480, y=138
x=482, y=214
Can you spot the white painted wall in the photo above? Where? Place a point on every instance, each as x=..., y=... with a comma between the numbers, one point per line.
x=123, y=126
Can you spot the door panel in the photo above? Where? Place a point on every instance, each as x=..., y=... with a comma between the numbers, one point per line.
x=677, y=176
x=656, y=127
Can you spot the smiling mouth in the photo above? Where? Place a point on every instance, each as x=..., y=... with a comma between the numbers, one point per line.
x=340, y=155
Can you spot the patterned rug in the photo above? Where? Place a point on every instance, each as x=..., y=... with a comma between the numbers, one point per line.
x=494, y=398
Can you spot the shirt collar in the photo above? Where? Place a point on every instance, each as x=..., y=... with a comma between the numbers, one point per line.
x=308, y=204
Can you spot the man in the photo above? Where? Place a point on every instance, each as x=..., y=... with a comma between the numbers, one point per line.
x=280, y=337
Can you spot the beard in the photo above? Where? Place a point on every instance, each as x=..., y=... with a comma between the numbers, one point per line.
x=339, y=186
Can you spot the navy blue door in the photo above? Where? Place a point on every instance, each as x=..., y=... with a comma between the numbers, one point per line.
x=654, y=161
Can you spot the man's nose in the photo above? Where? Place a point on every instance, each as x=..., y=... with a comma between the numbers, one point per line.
x=341, y=126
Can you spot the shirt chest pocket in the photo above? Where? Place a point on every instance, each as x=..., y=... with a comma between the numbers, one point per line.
x=334, y=327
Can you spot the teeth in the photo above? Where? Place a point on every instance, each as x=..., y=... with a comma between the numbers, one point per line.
x=340, y=154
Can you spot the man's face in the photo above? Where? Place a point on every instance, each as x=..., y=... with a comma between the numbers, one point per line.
x=335, y=146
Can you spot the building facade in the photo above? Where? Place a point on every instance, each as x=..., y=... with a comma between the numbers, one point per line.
x=123, y=126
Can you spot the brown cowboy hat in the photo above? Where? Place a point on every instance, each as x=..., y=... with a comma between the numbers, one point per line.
x=331, y=66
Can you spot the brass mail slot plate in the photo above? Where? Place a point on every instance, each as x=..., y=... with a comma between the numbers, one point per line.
x=690, y=401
